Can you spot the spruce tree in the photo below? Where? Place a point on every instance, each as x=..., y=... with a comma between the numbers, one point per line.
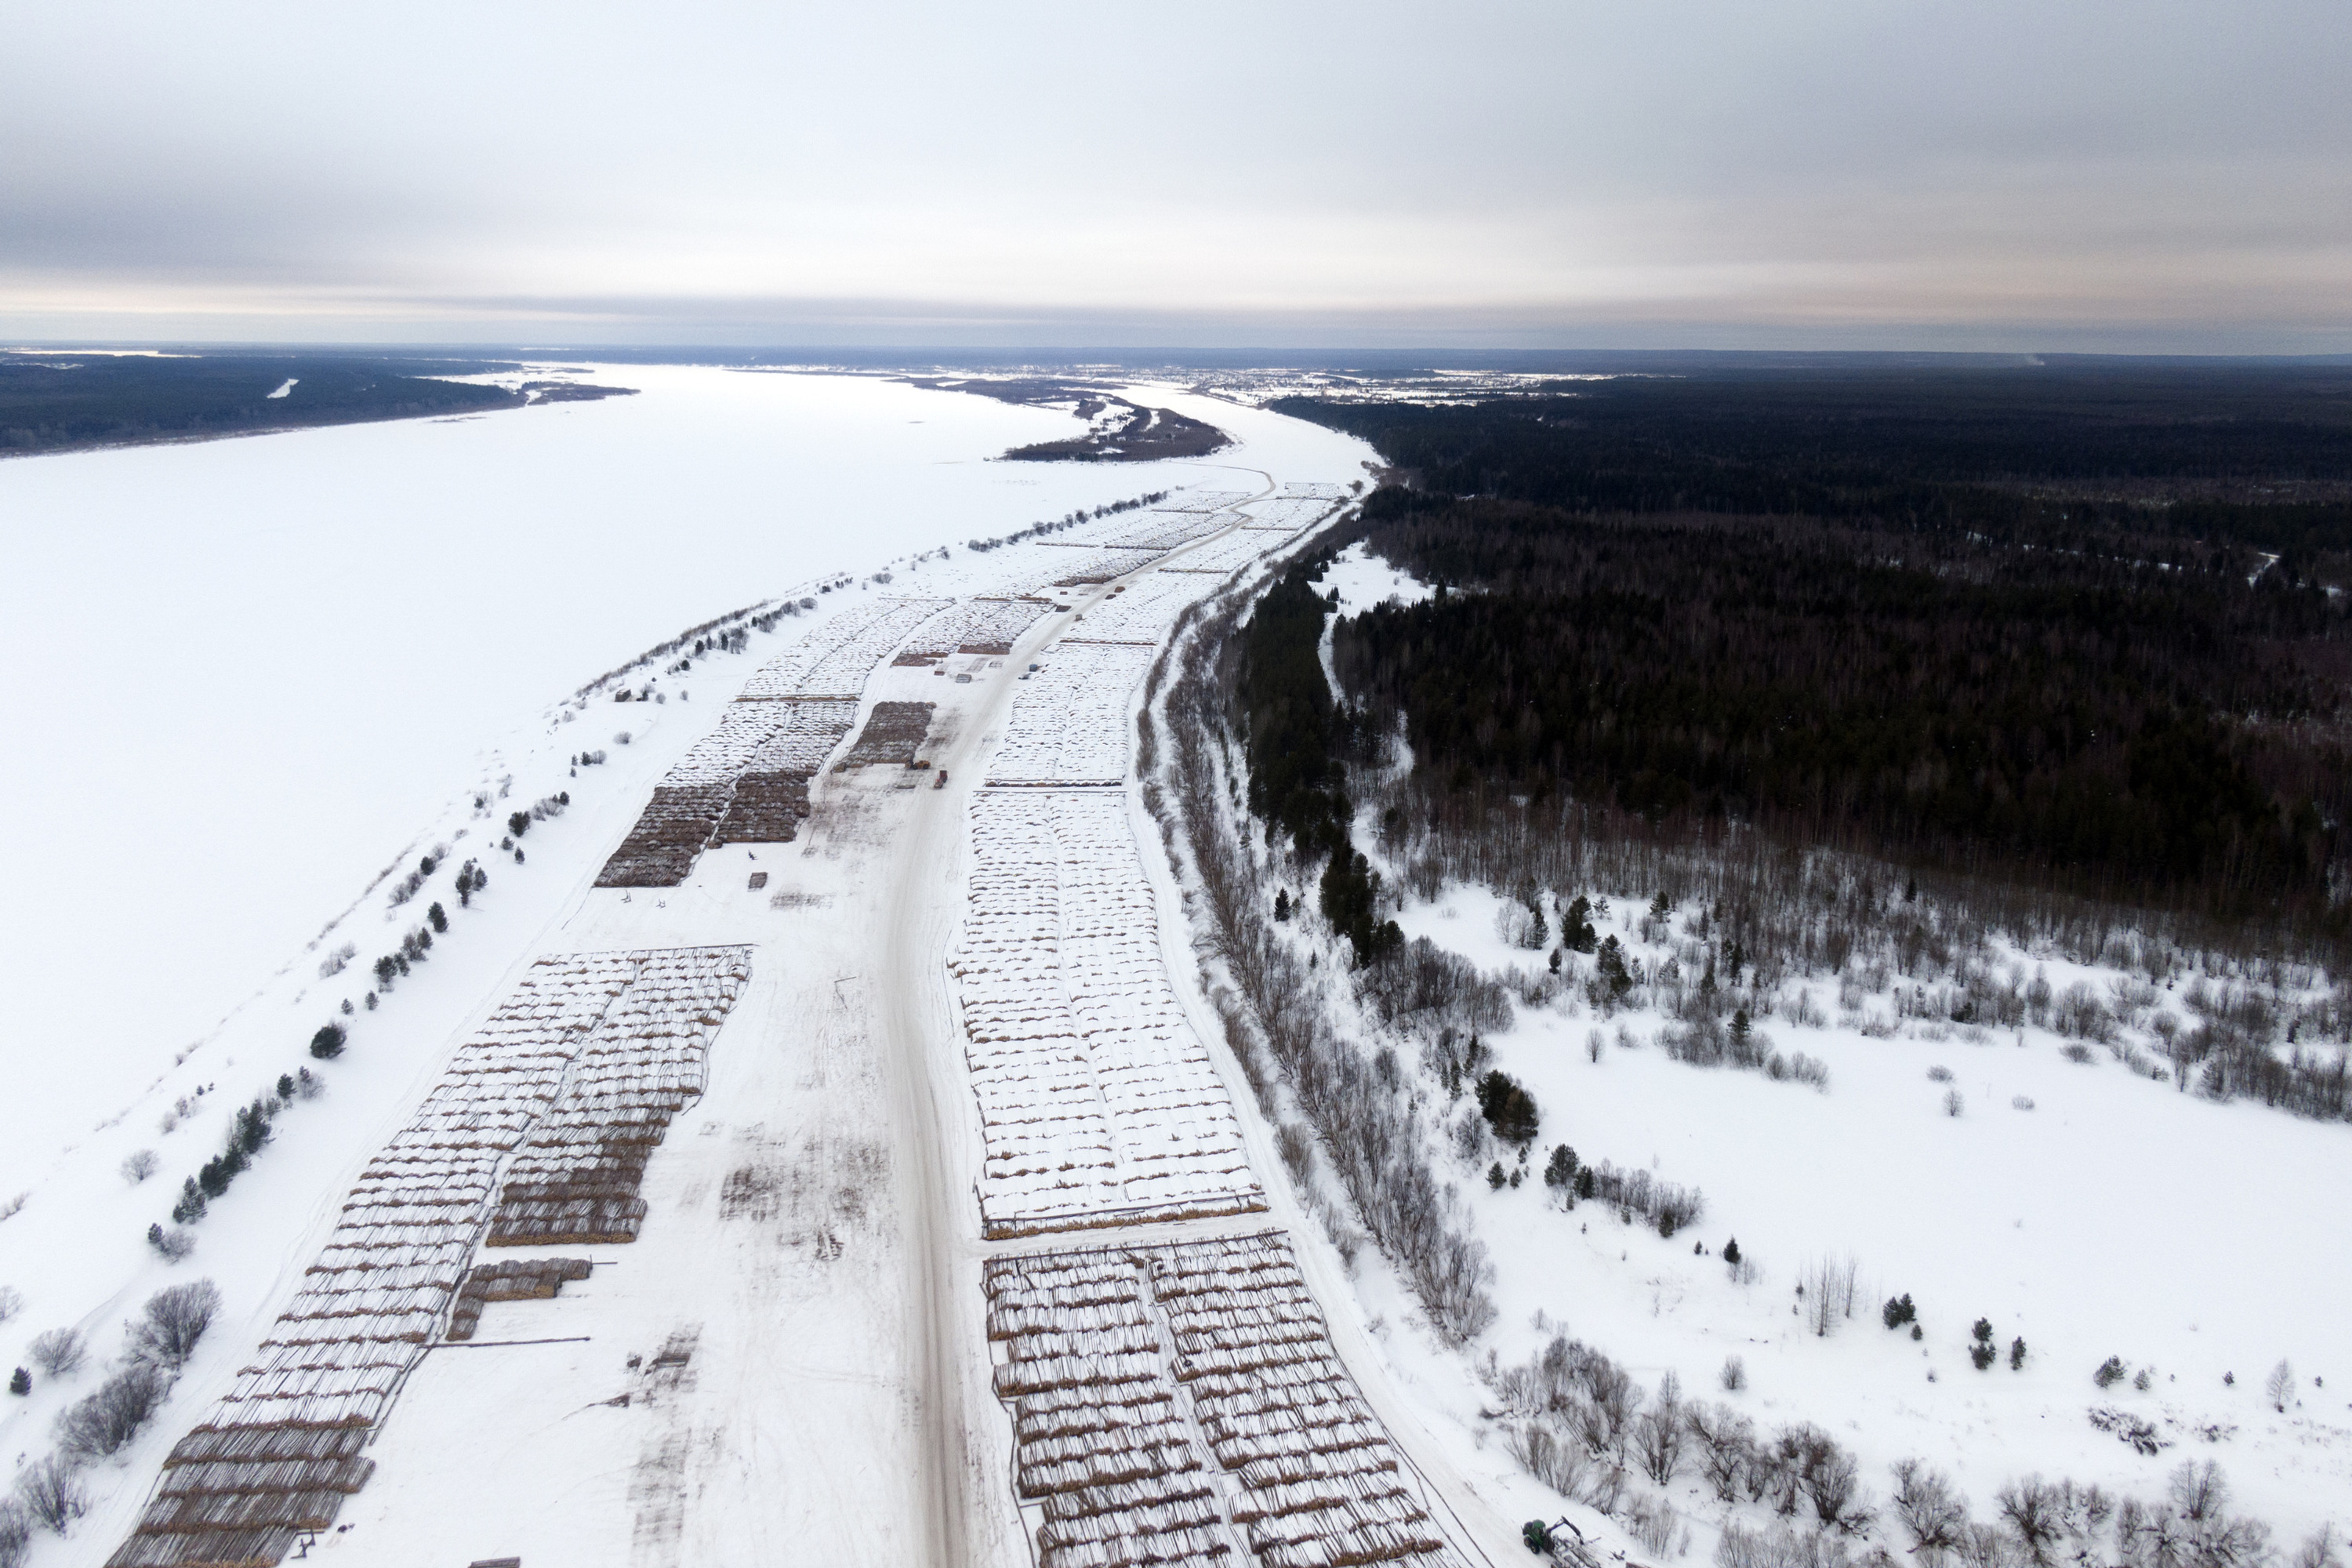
x=20, y=1382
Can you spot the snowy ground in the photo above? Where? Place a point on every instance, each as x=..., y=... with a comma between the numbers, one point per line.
x=804, y=1301
x=2073, y=1203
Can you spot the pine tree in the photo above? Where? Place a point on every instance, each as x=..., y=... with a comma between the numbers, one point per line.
x=191, y=1204
x=2017, y=1354
x=327, y=1043
x=1561, y=1170
x=20, y=1382
x=439, y=917
x=1282, y=903
x=1731, y=1252
x=1740, y=1028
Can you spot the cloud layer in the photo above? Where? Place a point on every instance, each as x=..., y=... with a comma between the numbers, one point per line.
x=1982, y=175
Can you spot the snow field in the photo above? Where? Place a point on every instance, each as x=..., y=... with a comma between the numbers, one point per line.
x=1069, y=722
x=385, y=1281
x=1128, y=1371
x=1097, y=1102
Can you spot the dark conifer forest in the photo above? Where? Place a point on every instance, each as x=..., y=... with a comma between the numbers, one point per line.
x=2081, y=628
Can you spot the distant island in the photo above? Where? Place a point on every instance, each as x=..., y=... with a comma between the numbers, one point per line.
x=1118, y=430
x=63, y=401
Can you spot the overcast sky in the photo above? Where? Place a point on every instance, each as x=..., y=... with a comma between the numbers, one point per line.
x=2144, y=175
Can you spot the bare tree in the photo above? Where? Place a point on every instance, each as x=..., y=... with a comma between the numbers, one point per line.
x=2319, y=1550
x=58, y=1351
x=138, y=1166
x=11, y=1302
x=1659, y=1433
x=51, y=1492
x=16, y=1534
x=1726, y=1443
x=98, y=1425
x=1930, y=1512
x=2279, y=1386
x=175, y=1320
x=2035, y=1513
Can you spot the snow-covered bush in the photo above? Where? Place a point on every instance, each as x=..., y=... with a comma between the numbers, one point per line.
x=15, y=1534
x=334, y=963
x=59, y=1352
x=174, y=1244
x=138, y=1166
x=173, y=1321
x=51, y=1493
x=98, y=1424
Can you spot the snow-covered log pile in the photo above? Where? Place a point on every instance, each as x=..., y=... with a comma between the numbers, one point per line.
x=1069, y=723
x=1287, y=513
x=747, y=781
x=279, y=1453
x=1142, y=612
x=1221, y=557
x=970, y=626
x=1204, y=501
x=1166, y=530
x=1075, y=565
x=524, y=1279
x=1135, y=1376
x=576, y=1178
x=893, y=736
x=835, y=658
x=1098, y=1104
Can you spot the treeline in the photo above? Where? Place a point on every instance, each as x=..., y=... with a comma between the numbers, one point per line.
x=2076, y=696
x=1295, y=734
x=2035, y=453
x=55, y=401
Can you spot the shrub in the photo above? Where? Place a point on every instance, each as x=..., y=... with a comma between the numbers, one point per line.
x=1734, y=1376
x=1731, y=1252
x=58, y=1351
x=1508, y=1109
x=1939, y=1075
x=327, y=1043
x=1898, y=1311
x=51, y=1493
x=138, y=1166
x=1983, y=1356
x=176, y=1319
x=308, y=1085
x=174, y=1244
x=1953, y=1103
x=99, y=1425
x=15, y=1534
x=518, y=822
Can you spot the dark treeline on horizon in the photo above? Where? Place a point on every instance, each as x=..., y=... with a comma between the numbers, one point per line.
x=1957, y=621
